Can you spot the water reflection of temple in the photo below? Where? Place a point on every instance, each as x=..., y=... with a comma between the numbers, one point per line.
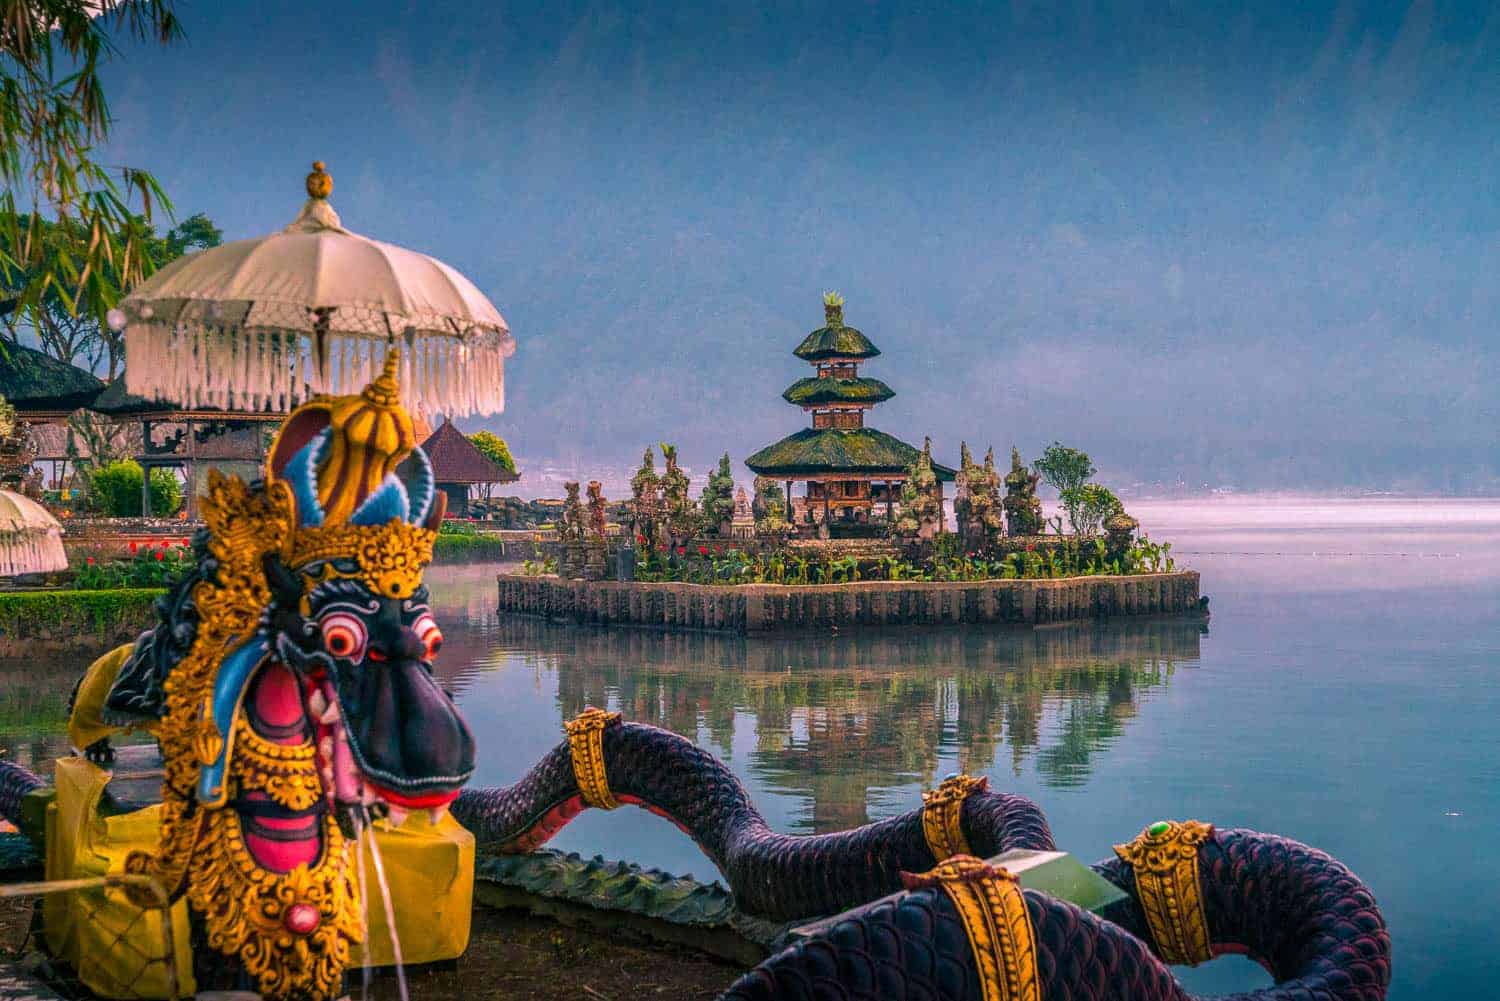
x=835, y=721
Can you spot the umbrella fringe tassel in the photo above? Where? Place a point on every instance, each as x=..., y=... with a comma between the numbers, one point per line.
x=271, y=370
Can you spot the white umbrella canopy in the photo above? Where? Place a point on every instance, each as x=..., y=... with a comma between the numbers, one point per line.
x=30, y=538
x=266, y=324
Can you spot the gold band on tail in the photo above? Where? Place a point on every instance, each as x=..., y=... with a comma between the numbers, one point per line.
x=942, y=809
x=586, y=741
x=992, y=907
x=1165, y=859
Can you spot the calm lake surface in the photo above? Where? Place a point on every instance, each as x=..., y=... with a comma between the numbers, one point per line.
x=1346, y=693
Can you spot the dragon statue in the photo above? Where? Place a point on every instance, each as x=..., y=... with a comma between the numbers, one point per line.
x=288, y=683
x=289, y=686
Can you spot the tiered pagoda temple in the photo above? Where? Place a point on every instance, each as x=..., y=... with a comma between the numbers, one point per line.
x=853, y=473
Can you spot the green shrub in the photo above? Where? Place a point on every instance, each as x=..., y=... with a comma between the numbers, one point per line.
x=1090, y=506
x=115, y=490
x=90, y=614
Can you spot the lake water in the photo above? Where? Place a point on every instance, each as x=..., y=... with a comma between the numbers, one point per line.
x=1346, y=693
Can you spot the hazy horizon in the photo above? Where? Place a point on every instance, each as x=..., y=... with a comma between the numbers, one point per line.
x=1236, y=246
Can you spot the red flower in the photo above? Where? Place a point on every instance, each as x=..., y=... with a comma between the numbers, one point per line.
x=133, y=547
x=682, y=550
x=702, y=550
x=91, y=561
x=160, y=556
x=185, y=543
x=718, y=550
x=1031, y=547
x=641, y=539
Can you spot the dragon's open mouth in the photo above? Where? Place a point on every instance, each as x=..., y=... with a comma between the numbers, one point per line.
x=347, y=783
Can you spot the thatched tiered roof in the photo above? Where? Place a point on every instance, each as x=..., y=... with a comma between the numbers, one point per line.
x=819, y=451
x=813, y=392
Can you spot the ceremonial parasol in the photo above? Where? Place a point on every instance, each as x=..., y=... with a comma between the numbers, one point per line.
x=265, y=324
x=30, y=538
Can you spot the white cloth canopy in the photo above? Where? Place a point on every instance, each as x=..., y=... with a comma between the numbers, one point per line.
x=264, y=324
x=30, y=538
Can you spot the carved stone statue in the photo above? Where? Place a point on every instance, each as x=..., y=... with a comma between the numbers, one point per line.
x=1023, y=509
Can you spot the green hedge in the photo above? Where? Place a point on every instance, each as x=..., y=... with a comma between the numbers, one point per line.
x=89, y=615
x=455, y=548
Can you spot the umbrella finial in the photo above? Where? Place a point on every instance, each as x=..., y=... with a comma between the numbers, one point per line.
x=384, y=391
x=319, y=182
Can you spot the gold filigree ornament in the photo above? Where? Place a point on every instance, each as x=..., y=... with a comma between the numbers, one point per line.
x=992, y=907
x=391, y=557
x=586, y=742
x=942, y=812
x=1165, y=859
x=244, y=526
x=287, y=773
x=291, y=931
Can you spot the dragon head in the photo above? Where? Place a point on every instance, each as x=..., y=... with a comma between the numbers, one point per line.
x=290, y=686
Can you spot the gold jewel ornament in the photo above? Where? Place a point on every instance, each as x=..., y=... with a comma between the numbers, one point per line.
x=586, y=742
x=992, y=907
x=1165, y=859
x=942, y=813
x=290, y=930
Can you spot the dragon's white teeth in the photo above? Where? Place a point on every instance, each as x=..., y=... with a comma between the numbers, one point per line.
x=435, y=815
x=325, y=748
x=367, y=796
x=330, y=715
x=397, y=816
x=318, y=703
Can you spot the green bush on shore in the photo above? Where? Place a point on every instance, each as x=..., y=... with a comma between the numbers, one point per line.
x=91, y=614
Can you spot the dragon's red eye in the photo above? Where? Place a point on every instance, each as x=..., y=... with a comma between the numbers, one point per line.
x=428, y=632
x=344, y=636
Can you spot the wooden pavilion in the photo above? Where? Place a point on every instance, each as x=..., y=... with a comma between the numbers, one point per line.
x=458, y=465
x=853, y=473
x=190, y=441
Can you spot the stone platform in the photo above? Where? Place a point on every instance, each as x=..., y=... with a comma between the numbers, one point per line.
x=771, y=608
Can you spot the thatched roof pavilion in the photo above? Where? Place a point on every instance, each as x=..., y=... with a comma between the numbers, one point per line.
x=850, y=470
x=457, y=465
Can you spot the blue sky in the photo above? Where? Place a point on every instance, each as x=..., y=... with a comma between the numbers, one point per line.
x=1244, y=244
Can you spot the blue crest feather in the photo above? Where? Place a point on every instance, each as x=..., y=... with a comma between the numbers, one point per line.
x=302, y=474
x=422, y=488
x=390, y=501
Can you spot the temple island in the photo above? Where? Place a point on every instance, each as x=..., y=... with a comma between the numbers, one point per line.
x=866, y=543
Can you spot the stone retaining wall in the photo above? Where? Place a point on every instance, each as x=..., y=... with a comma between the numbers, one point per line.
x=758, y=608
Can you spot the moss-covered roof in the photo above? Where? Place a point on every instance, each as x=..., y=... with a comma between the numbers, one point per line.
x=34, y=381
x=864, y=451
x=835, y=342
x=811, y=392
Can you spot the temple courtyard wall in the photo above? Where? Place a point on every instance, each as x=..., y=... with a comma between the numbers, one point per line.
x=773, y=608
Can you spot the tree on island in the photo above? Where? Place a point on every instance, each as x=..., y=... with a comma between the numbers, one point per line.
x=1066, y=470
x=53, y=120
x=717, y=502
x=679, y=513
x=62, y=325
x=646, y=506
x=921, y=512
x=1090, y=506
